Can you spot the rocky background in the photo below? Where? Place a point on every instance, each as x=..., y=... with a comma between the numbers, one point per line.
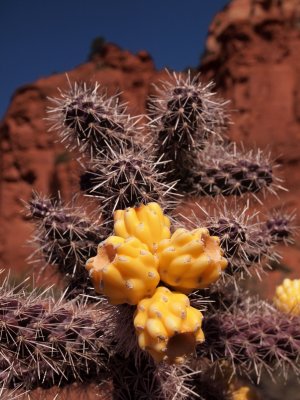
x=253, y=55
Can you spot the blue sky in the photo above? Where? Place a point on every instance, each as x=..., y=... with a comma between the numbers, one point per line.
x=40, y=37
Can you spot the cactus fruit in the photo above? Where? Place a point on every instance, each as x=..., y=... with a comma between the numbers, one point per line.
x=124, y=270
x=127, y=178
x=287, y=296
x=146, y=222
x=90, y=121
x=190, y=259
x=167, y=326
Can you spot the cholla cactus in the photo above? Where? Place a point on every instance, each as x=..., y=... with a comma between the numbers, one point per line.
x=91, y=121
x=253, y=336
x=65, y=237
x=280, y=227
x=64, y=233
x=248, y=242
x=44, y=342
x=150, y=381
x=127, y=177
x=184, y=116
x=157, y=281
x=225, y=170
x=185, y=113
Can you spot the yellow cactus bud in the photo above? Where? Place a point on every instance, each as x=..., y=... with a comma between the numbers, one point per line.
x=167, y=326
x=242, y=393
x=190, y=259
x=146, y=222
x=287, y=296
x=124, y=270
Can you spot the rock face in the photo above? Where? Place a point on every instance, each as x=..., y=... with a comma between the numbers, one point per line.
x=252, y=53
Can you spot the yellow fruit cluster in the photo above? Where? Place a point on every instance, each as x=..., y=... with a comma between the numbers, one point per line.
x=129, y=266
x=287, y=296
x=167, y=326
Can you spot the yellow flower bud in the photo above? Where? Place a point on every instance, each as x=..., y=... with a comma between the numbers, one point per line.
x=190, y=259
x=167, y=326
x=146, y=222
x=124, y=270
x=287, y=296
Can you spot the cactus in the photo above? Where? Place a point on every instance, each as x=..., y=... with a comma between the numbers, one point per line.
x=247, y=242
x=65, y=237
x=167, y=326
x=64, y=233
x=253, y=336
x=90, y=121
x=127, y=178
x=160, y=301
x=184, y=114
x=228, y=171
x=150, y=381
x=45, y=343
x=280, y=227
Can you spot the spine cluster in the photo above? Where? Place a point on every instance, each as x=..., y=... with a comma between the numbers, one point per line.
x=65, y=237
x=91, y=121
x=184, y=115
x=247, y=240
x=44, y=343
x=253, y=337
x=126, y=178
x=224, y=170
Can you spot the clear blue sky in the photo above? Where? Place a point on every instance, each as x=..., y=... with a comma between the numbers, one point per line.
x=39, y=37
